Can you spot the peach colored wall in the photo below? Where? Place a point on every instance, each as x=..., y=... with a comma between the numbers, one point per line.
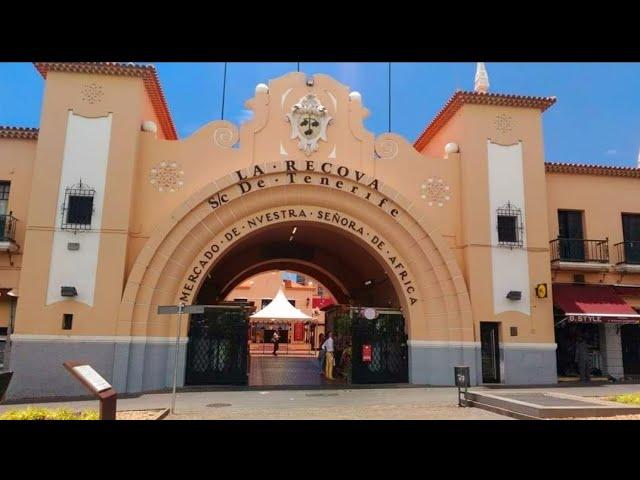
x=208, y=162
x=16, y=166
x=453, y=129
x=603, y=199
x=123, y=97
x=150, y=238
x=5, y=311
x=149, y=113
x=470, y=128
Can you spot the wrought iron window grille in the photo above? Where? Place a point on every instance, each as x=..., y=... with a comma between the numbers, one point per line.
x=510, y=227
x=77, y=209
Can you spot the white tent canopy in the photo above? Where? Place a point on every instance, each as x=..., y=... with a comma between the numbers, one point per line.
x=280, y=309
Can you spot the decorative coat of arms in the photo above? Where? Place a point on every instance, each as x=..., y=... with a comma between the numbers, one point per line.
x=309, y=120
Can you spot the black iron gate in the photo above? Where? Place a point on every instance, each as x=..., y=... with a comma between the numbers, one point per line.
x=379, y=352
x=217, y=350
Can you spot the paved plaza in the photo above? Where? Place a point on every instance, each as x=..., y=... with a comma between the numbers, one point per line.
x=408, y=403
x=273, y=370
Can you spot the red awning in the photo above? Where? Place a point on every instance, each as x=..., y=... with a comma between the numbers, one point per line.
x=593, y=304
x=627, y=290
x=322, y=302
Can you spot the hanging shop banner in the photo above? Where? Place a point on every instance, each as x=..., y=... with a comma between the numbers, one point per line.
x=298, y=332
x=601, y=319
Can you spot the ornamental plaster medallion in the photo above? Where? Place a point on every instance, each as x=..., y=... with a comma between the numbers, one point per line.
x=386, y=147
x=225, y=136
x=166, y=177
x=435, y=192
x=503, y=123
x=92, y=93
x=309, y=120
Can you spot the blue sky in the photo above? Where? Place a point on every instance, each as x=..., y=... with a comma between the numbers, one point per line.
x=596, y=119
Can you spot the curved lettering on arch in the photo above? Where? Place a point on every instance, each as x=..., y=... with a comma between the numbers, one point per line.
x=417, y=239
x=307, y=172
x=403, y=279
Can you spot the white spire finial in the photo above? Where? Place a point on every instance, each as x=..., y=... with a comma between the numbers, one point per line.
x=482, y=79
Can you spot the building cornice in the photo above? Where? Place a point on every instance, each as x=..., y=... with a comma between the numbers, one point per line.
x=19, y=133
x=584, y=169
x=478, y=98
x=146, y=72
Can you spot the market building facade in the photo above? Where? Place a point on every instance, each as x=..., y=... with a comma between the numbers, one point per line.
x=487, y=251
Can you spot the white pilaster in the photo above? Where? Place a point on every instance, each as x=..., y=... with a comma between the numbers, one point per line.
x=86, y=153
x=510, y=266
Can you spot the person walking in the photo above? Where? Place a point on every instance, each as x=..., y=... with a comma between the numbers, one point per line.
x=321, y=353
x=583, y=357
x=276, y=342
x=327, y=346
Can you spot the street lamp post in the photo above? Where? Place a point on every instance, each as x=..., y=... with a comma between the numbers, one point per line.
x=175, y=363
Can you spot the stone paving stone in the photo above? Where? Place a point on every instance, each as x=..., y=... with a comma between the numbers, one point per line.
x=281, y=370
x=368, y=412
x=548, y=400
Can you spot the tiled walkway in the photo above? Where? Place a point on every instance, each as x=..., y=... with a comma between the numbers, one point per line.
x=281, y=370
x=374, y=403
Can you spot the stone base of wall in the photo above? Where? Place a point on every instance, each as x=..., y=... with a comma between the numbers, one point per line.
x=529, y=365
x=134, y=367
x=130, y=367
x=432, y=363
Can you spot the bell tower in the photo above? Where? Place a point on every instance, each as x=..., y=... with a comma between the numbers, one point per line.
x=504, y=230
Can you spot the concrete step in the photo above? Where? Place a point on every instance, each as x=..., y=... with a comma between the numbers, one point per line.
x=499, y=411
x=547, y=405
x=486, y=400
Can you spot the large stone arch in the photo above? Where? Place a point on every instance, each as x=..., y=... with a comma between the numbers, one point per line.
x=324, y=276
x=440, y=317
x=311, y=210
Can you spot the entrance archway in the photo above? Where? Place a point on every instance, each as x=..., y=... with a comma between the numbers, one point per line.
x=325, y=252
x=421, y=268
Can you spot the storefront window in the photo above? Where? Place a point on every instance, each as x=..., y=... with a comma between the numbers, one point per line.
x=567, y=338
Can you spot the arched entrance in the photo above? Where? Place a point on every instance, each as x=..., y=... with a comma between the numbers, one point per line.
x=324, y=251
x=414, y=268
x=332, y=257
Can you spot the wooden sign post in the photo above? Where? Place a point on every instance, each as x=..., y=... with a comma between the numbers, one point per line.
x=98, y=386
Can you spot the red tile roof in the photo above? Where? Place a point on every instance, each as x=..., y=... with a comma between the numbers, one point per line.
x=461, y=97
x=582, y=168
x=19, y=133
x=146, y=72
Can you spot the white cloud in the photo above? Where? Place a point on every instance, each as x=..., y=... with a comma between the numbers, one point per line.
x=244, y=116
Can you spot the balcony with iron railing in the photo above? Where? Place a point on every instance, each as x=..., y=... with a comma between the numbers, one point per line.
x=8, y=232
x=579, y=253
x=628, y=255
